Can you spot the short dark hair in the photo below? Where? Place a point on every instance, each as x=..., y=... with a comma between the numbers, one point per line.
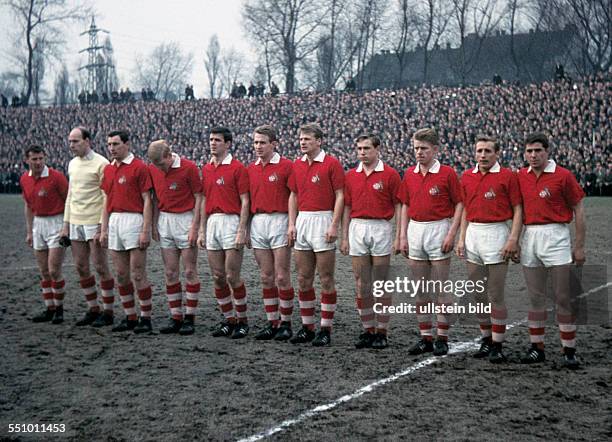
x=312, y=129
x=488, y=139
x=428, y=135
x=85, y=134
x=34, y=148
x=222, y=130
x=123, y=134
x=537, y=137
x=372, y=137
x=268, y=131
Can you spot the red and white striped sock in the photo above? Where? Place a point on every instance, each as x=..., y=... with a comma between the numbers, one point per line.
x=286, y=304
x=126, y=294
x=88, y=286
x=307, y=303
x=145, y=302
x=567, y=329
x=192, y=291
x=108, y=297
x=382, y=319
x=47, y=293
x=224, y=299
x=484, y=322
x=270, y=299
x=499, y=316
x=58, y=292
x=328, y=308
x=366, y=313
x=537, y=321
x=424, y=320
x=443, y=322
x=240, y=303
x=174, y=294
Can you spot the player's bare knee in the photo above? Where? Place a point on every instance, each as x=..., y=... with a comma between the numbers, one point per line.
x=172, y=275
x=82, y=269
x=219, y=279
x=267, y=278
x=55, y=274
x=191, y=276
x=327, y=283
x=233, y=279
x=283, y=281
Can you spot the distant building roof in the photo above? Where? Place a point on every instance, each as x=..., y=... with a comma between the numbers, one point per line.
x=534, y=60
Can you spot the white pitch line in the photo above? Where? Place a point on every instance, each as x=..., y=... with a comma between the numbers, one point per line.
x=456, y=348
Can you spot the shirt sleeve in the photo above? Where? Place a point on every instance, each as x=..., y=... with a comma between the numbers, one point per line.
x=395, y=183
x=291, y=183
x=454, y=188
x=348, y=199
x=61, y=185
x=144, y=179
x=572, y=192
x=403, y=192
x=243, y=180
x=195, y=182
x=514, y=190
x=337, y=175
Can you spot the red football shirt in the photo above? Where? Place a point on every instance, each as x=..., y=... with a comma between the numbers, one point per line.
x=124, y=183
x=433, y=196
x=549, y=198
x=268, y=185
x=315, y=184
x=490, y=198
x=223, y=185
x=175, y=189
x=46, y=195
x=373, y=196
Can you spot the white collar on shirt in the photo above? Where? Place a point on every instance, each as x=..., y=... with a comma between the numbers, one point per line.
x=550, y=167
x=126, y=160
x=89, y=156
x=379, y=167
x=176, y=163
x=495, y=169
x=44, y=173
x=226, y=160
x=274, y=160
x=319, y=158
x=433, y=169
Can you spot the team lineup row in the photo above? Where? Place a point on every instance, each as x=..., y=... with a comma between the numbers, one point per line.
x=276, y=204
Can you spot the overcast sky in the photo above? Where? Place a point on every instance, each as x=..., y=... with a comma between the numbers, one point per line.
x=137, y=26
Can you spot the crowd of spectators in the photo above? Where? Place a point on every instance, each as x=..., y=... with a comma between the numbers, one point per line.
x=576, y=115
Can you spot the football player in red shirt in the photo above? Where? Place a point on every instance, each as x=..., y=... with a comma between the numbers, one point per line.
x=44, y=192
x=551, y=199
x=317, y=192
x=223, y=230
x=431, y=215
x=370, y=201
x=176, y=220
x=491, y=198
x=269, y=193
x=126, y=229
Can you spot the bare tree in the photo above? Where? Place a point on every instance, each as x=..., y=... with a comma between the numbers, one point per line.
x=62, y=87
x=39, y=20
x=592, y=22
x=212, y=63
x=291, y=27
x=165, y=70
x=474, y=21
x=371, y=15
x=232, y=63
